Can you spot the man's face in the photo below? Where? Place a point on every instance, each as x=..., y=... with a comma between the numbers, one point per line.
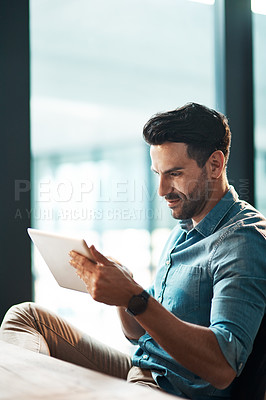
x=182, y=183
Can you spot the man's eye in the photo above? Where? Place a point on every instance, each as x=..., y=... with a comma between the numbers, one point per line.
x=175, y=173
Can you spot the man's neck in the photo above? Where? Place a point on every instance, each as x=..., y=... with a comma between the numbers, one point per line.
x=218, y=191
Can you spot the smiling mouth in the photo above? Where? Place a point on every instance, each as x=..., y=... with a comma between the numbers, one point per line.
x=173, y=203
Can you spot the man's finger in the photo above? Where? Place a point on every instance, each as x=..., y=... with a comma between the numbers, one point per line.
x=80, y=260
x=99, y=257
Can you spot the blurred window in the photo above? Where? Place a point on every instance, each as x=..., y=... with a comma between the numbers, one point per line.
x=99, y=70
x=259, y=53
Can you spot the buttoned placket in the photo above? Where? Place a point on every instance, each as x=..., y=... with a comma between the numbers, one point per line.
x=168, y=264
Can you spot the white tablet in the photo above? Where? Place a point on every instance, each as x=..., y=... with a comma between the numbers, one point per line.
x=55, y=249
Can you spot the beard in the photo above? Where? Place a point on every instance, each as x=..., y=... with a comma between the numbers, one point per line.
x=191, y=204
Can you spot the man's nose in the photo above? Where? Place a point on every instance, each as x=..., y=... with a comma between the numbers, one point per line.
x=164, y=187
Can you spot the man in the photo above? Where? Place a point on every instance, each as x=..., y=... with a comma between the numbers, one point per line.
x=196, y=324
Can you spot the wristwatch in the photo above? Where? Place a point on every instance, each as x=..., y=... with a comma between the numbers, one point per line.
x=138, y=303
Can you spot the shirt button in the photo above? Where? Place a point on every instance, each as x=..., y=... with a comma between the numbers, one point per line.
x=167, y=262
x=240, y=366
x=145, y=357
x=160, y=299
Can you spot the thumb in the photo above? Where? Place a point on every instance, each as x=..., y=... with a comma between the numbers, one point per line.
x=99, y=257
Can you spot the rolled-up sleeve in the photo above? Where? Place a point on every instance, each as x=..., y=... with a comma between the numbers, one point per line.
x=238, y=268
x=150, y=290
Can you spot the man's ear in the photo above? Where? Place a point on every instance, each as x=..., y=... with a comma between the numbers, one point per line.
x=216, y=164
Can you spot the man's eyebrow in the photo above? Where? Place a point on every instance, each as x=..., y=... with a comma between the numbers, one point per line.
x=168, y=171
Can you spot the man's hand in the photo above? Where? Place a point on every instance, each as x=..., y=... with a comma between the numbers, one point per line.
x=107, y=281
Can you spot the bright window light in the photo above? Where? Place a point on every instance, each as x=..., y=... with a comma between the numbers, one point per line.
x=210, y=2
x=258, y=6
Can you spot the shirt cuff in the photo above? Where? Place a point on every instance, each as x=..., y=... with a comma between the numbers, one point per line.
x=231, y=348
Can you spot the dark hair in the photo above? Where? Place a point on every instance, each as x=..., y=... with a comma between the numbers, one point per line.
x=203, y=130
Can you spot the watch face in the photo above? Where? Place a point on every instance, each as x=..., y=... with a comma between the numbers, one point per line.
x=137, y=304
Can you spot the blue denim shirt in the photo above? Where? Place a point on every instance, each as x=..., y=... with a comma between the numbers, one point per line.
x=212, y=275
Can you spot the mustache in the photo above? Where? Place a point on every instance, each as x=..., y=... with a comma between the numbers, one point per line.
x=172, y=196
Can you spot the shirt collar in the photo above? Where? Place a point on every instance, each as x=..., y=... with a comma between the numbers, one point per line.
x=209, y=223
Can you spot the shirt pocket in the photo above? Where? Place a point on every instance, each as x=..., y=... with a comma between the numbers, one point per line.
x=182, y=291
